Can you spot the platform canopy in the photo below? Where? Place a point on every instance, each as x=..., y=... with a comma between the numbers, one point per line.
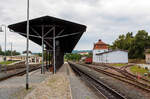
x=66, y=33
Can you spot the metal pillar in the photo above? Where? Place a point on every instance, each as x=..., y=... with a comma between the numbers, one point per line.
x=54, y=50
x=42, y=69
x=5, y=49
x=49, y=58
x=27, y=64
x=46, y=60
x=11, y=51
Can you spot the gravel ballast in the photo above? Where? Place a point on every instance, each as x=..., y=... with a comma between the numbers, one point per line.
x=129, y=91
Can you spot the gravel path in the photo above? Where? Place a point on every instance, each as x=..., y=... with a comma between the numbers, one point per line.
x=10, y=87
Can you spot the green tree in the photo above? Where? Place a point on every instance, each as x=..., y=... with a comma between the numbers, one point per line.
x=139, y=44
x=1, y=52
x=0, y=48
x=135, y=45
x=73, y=57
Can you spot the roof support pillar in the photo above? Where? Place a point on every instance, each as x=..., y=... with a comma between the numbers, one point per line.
x=42, y=69
x=46, y=59
x=49, y=59
x=54, y=50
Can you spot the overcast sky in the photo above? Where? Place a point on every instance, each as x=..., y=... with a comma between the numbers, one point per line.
x=105, y=19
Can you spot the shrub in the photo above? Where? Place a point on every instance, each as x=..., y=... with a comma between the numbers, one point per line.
x=146, y=68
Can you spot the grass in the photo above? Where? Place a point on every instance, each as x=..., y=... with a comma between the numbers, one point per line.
x=118, y=65
x=7, y=62
x=136, y=69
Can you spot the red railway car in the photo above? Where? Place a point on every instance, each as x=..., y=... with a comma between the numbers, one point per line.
x=88, y=60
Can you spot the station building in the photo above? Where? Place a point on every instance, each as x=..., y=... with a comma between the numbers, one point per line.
x=33, y=59
x=99, y=47
x=101, y=54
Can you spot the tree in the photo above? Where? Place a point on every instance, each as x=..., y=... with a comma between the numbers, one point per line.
x=139, y=44
x=135, y=45
x=1, y=52
x=73, y=57
x=0, y=48
x=123, y=42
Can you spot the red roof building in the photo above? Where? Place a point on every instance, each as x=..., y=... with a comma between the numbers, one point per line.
x=100, y=45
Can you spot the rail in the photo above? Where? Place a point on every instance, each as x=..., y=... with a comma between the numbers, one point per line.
x=102, y=88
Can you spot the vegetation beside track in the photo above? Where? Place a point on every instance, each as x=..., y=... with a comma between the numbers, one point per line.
x=118, y=65
x=7, y=62
x=139, y=70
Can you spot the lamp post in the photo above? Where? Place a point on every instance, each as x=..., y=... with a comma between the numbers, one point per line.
x=27, y=48
x=11, y=50
x=1, y=30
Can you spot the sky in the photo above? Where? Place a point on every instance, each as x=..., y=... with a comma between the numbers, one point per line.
x=105, y=19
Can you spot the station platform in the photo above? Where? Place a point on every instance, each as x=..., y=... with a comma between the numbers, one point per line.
x=62, y=85
x=14, y=87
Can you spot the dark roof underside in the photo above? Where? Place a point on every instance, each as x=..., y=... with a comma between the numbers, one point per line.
x=67, y=43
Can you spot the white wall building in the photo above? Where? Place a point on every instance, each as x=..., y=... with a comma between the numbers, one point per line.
x=99, y=47
x=116, y=56
x=101, y=54
x=1, y=58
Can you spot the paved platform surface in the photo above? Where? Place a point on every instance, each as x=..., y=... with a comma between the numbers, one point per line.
x=63, y=85
x=56, y=86
x=11, y=88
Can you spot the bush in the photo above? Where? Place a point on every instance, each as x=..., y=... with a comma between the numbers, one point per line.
x=146, y=68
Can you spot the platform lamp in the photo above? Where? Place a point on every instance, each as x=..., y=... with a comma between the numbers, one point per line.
x=1, y=30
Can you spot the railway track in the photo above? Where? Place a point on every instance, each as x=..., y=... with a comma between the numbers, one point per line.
x=125, y=79
x=19, y=73
x=16, y=66
x=124, y=72
x=124, y=69
x=101, y=88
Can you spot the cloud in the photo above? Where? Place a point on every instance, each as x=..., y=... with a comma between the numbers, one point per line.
x=105, y=19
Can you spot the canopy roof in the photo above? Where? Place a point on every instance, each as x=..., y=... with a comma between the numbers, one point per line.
x=67, y=33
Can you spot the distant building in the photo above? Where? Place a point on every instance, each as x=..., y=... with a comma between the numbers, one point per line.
x=99, y=47
x=33, y=59
x=147, y=56
x=83, y=53
x=101, y=54
x=1, y=58
x=115, y=56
